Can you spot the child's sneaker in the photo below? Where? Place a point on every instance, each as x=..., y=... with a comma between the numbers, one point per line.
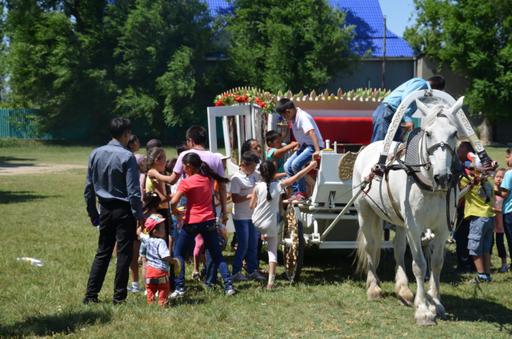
x=177, y=294
x=230, y=291
x=196, y=276
x=482, y=278
x=256, y=276
x=134, y=288
x=239, y=277
x=503, y=268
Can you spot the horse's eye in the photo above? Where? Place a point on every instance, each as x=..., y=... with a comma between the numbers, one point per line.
x=427, y=133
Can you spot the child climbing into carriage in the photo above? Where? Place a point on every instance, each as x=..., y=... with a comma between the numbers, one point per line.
x=265, y=202
x=308, y=137
x=276, y=152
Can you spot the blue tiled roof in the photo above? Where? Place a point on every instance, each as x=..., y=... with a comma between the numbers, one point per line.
x=366, y=16
x=218, y=6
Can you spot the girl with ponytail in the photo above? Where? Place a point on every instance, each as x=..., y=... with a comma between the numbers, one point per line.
x=265, y=202
x=199, y=218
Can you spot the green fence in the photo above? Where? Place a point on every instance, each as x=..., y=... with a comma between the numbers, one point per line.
x=18, y=123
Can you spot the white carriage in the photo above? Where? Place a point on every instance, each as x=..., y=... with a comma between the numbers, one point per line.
x=328, y=219
x=307, y=223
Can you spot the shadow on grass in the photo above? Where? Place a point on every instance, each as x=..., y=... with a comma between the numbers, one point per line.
x=331, y=266
x=335, y=266
x=10, y=162
x=63, y=323
x=11, y=197
x=479, y=310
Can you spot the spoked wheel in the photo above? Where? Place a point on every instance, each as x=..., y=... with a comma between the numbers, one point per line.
x=293, y=244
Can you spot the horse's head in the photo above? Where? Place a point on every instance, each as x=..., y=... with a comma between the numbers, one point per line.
x=438, y=142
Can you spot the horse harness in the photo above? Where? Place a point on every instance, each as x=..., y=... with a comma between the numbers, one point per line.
x=412, y=165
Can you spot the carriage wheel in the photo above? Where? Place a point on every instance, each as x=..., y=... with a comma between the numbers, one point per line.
x=293, y=244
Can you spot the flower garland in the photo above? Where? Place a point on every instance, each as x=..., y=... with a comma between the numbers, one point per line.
x=242, y=96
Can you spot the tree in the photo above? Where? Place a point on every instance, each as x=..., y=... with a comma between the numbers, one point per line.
x=159, y=61
x=54, y=63
x=473, y=38
x=280, y=45
x=80, y=62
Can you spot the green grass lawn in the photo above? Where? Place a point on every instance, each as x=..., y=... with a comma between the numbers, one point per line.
x=43, y=216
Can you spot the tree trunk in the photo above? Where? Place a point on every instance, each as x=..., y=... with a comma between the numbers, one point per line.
x=486, y=132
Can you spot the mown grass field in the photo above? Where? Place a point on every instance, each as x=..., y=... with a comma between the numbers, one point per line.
x=43, y=216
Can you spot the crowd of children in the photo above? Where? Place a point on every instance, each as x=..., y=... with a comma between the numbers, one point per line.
x=185, y=203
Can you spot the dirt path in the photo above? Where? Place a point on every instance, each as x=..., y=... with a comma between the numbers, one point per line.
x=37, y=169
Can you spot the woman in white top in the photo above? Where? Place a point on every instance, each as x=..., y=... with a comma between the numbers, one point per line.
x=265, y=202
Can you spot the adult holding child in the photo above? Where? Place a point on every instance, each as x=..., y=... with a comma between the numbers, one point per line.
x=196, y=137
x=308, y=137
x=113, y=181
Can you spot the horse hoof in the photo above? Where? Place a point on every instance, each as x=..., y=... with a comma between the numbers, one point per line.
x=374, y=293
x=406, y=296
x=424, y=316
x=426, y=322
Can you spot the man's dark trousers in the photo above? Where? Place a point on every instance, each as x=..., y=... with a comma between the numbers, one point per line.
x=117, y=224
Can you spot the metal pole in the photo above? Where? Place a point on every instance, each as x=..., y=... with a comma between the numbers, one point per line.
x=338, y=217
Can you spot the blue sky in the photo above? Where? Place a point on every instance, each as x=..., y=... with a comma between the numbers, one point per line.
x=398, y=14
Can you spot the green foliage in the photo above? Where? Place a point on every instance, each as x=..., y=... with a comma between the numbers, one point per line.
x=177, y=86
x=474, y=39
x=280, y=45
x=81, y=62
x=54, y=62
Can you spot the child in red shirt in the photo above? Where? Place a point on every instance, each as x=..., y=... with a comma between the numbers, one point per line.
x=199, y=218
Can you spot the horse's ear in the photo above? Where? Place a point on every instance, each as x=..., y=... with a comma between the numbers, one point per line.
x=458, y=105
x=422, y=107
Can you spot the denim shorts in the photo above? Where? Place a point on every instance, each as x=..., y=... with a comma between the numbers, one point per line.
x=480, y=235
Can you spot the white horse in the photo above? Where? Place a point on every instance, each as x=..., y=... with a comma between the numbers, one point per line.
x=399, y=200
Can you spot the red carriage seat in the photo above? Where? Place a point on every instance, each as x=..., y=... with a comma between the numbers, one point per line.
x=346, y=130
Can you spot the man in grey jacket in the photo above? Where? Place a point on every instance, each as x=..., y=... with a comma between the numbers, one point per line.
x=113, y=182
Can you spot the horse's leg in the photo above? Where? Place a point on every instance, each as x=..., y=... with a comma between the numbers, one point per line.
x=371, y=230
x=423, y=315
x=437, y=259
x=401, y=282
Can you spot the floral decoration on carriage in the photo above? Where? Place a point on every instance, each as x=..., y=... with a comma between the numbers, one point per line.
x=247, y=95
